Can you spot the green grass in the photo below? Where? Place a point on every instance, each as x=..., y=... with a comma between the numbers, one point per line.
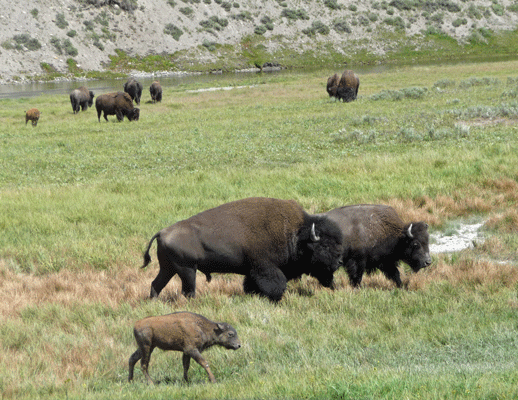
x=81, y=200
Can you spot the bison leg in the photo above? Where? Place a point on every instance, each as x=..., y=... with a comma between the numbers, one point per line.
x=392, y=273
x=163, y=277
x=188, y=277
x=267, y=281
x=132, y=361
x=200, y=360
x=355, y=272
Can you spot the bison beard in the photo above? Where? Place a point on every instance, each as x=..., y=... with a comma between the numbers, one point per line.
x=269, y=241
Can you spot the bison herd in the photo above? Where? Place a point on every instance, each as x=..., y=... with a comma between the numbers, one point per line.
x=270, y=242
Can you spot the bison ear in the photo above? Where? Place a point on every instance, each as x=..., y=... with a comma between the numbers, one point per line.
x=220, y=327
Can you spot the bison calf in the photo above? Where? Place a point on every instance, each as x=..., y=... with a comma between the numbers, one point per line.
x=181, y=331
x=32, y=115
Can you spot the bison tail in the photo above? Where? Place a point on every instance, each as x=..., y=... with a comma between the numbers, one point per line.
x=147, y=257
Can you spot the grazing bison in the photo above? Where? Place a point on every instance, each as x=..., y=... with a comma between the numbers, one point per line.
x=375, y=237
x=269, y=241
x=118, y=104
x=155, y=90
x=332, y=85
x=348, y=86
x=181, y=331
x=134, y=89
x=32, y=115
x=81, y=98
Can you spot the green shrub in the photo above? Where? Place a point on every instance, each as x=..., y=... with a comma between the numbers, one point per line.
x=260, y=30
x=207, y=1
x=295, y=14
x=214, y=23
x=22, y=41
x=341, y=27
x=444, y=83
x=187, y=11
x=54, y=41
x=459, y=21
x=69, y=48
x=267, y=22
x=174, y=31
x=71, y=33
x=209, y=45
x=243, y=16
x=332, y=4
x=473, y=12
x=396, y=22
x=353, y=8
x=498, y=9
x=172, y=3
x=34, y=12
x=227, y=6
x=316, y=27
x=61, y=21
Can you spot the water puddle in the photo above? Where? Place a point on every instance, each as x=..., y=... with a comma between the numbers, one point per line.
x=462, y=238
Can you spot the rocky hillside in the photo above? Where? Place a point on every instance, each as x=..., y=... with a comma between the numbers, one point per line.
x=42, y=36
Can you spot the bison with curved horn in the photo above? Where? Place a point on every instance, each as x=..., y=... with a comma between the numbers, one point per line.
x=375, y=237
x=269, y=241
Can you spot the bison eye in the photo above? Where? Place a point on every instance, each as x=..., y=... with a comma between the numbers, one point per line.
x=231, y=334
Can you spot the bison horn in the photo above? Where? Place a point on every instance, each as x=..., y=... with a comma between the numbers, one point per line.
x=410, y=231
x=314, y=236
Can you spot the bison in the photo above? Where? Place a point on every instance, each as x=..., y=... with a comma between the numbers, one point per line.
x=155, y=90
x=332, y=85
x=134, y=89
x=347, y=87
x=269, y=241
x=81, y=98
x=181, y=331
x=375, y=237
x=32, y=115
x=118, y=104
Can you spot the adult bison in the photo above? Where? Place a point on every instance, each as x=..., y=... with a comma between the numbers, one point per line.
x=134, y=89
x=332, y=85
x=155, y=90
x=347, y=89
x=81, y=98
x=375, y=237
x=118, y=104
x=269, y=241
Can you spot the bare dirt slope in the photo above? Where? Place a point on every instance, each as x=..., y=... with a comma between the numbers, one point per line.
x=36, y=33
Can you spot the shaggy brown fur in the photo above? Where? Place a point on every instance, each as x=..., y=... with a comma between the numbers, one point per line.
x=182, y=331
x=348, y=86
x=118, y=104
x=33, y=115
x=332, y=85
x=155, y=90
x=134, y=89
x=81, y=98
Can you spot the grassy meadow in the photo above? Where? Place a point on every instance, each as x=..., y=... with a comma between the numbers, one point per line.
x=81, y=199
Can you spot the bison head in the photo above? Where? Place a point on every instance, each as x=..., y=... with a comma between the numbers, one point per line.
x=321, y=249
x=416, y=251
x=133, y=115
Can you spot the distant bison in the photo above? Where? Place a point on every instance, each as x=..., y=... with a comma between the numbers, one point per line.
x=81, y=98
x=332, y=85
x=269, y=241
x=344, y=88
x=134, y=89
x=181, y=331
x=118, y=104
x=375, y=237
x=32, y=115
x=155, y=90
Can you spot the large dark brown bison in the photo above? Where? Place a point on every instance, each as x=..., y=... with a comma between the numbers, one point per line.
x=375, y=237
x=269, y=241
x=32, y=115
x=118, y=104
x=346, y=89
x=181, y=331
x=81, y=98
x=134, y=89
x=155, y=90
x=332, y=85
